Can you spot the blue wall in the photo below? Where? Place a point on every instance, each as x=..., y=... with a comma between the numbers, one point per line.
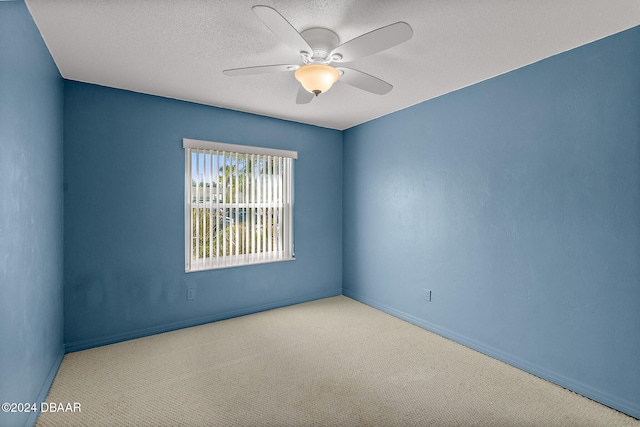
x=124, y=216
x=517, y=202
x=31, y=322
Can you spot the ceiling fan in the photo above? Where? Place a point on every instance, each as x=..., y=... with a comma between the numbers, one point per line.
x=319, y=47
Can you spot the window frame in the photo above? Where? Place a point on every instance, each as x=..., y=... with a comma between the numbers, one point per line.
x=285, y=203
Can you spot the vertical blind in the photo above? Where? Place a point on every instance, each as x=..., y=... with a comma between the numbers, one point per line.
x=238, y=205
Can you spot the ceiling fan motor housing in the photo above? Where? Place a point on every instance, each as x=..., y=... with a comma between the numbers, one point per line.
x=322, y=41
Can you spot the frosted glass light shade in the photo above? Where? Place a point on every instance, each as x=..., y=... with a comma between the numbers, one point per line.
x=317, y=78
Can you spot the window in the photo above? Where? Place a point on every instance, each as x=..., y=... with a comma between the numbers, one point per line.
x=238, y=205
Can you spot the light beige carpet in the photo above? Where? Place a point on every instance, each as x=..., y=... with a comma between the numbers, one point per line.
x=332, y=362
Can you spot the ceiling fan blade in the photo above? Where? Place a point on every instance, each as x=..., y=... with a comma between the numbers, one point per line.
x=264, y=69
x=282, y=28
x=364, y=81
x=373, y=42
x=304, y=97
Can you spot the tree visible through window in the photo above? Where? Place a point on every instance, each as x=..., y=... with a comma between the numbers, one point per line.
x=239, y=205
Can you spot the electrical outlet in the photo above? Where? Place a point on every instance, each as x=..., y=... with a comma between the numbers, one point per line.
x=427, y=295
x=191, y=294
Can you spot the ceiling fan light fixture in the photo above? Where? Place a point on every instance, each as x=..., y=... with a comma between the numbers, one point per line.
x=317, y=78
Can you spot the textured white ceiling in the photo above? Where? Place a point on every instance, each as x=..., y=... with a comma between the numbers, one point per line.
x=178, y=48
